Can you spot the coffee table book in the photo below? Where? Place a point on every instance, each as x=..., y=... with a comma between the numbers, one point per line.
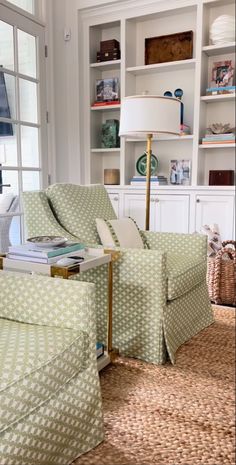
x=31, y=253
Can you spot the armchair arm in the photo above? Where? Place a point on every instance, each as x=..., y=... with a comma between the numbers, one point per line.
x=39, y=217
x=186, y=244
x=47, y=301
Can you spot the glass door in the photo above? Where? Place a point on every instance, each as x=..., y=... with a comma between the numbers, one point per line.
x=23, y=148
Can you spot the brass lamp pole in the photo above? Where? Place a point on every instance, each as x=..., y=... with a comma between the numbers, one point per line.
x=148, y=181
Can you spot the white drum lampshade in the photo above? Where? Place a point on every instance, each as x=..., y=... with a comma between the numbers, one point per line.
x=149, y=114
x=145, y=115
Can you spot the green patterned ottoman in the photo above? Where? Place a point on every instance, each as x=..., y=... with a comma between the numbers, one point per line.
x=50, y=405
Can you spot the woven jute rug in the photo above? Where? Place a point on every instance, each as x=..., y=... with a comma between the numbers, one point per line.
x=172, y=415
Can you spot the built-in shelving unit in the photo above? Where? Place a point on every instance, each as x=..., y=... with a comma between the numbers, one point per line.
x=131, y=26
x=174, y=208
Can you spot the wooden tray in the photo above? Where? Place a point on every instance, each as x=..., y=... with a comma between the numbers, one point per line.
x=172, y=47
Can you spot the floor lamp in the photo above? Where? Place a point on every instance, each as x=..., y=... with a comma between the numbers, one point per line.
x=145, y=115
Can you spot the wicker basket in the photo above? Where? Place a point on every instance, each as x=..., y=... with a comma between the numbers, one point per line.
x=221, y=275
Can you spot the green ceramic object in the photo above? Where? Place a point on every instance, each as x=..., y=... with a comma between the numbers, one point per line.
x=141, y=165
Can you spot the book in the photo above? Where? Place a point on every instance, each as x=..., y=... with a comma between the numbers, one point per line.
x=104, y=104
x=228, y=136
x=218, y=142
x=220, y=90
x=47, y=261
x=31, y=250
x=99, y=349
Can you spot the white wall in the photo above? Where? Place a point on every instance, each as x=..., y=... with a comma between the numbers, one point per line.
x=91, y=3
x=63, y=84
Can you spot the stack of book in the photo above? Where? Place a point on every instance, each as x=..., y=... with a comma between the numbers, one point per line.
x=155, y=181
x=220, y=90
x=106, y=103
x=219, y=139
x=32, y=253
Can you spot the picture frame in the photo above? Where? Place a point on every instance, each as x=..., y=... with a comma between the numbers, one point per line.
x=222, y=73
x=180, y=172
x=107, y=90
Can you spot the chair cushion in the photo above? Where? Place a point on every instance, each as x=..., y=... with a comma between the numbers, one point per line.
x=77, y=207
x=120, y=233
x=35, y=362
x=184, y=273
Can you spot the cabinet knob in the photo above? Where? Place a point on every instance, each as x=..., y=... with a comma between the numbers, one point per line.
x=152, y=200
x=116, y=199
x=198, y=200
x=157, y=200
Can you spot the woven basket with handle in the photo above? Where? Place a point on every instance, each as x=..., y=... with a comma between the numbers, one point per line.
x=221, y=275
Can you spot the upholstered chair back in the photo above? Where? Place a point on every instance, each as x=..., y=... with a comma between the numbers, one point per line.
x=77, y=207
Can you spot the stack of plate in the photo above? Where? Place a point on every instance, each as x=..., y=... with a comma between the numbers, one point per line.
x=222, y=30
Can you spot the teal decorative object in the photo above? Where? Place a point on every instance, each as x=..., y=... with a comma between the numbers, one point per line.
x=110, y=134
x=141, y=165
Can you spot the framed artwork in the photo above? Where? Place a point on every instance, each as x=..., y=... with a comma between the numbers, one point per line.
x=107, y=90
x=222, y=74
x=180, y=172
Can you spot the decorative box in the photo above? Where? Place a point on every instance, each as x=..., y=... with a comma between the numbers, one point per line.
x=112, y=176
x=108, y=56
x=109, y=45
x=110, y=134
x=221, y=178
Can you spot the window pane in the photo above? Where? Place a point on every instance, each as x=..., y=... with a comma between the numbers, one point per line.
x=27, y=5
x=29, y=146
x=8, y=145
x=26, y=53
x=7, y=98
x=9, y=177
x=15, y=233
x=6, y=46
x=31, y=180
x=28, y=101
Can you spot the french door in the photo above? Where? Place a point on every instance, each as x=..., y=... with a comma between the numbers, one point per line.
x=23, y=139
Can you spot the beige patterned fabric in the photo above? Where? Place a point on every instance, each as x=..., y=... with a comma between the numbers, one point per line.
x=50, y=404
x=83, y=205
x=183, y=274
x=145, y=282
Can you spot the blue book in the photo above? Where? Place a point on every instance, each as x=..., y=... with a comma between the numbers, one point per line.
x=99, y=349
x=30, y=250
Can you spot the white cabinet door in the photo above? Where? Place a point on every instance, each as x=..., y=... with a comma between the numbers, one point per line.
x=135, y=207
x=115, y=200
x=172, y=213
x=217, y=209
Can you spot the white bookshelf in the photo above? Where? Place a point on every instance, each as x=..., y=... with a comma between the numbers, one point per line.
x=130, y=28
x=130, y=23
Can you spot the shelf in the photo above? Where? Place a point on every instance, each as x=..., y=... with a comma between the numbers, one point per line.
x=160, y=67
x=216, y=146
x=105, y=150
x=106, y=65
x=212, y=50
x=106, y=108
x=163, y=139
x=218, y=98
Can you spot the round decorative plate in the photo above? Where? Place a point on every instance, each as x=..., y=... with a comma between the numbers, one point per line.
x=141, y=165
x=47, y=241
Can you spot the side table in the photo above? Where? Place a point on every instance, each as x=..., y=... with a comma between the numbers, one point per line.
x=92, y=259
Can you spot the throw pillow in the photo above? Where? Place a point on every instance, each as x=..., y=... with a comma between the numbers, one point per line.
x=123, y=232
x=5, y=202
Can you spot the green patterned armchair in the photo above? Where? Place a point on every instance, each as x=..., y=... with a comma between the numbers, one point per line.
x=50, y=404
x=160, y=297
